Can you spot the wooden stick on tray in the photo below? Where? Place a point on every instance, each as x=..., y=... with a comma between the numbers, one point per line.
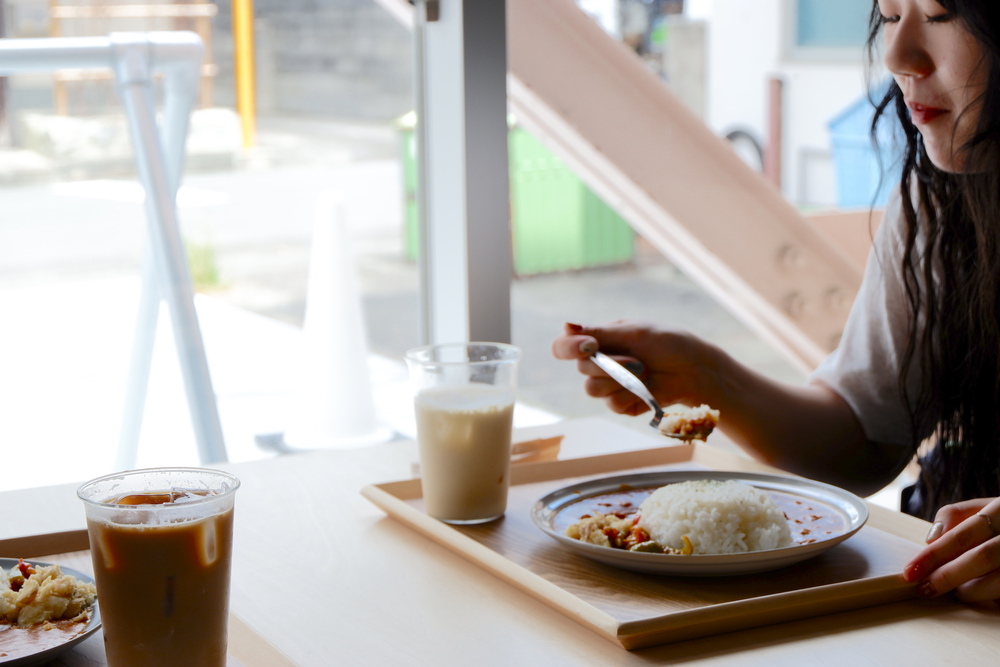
x=532, y=451
x=529, y=451
x=33, y=546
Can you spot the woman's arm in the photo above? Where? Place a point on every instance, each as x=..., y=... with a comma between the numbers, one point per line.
x=808, y=430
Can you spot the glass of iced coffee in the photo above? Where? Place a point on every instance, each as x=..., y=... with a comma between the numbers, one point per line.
x=464, y=403
x=161, y=542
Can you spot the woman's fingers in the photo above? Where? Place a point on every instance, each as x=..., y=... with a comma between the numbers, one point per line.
x=951, y=545
x=952, y=533
x=952, y=515
x=619, y=340
x=577, y=346
x=617, y=398
x=964, y=558
x=974, y=575
x=579, y=341
x=983, y=589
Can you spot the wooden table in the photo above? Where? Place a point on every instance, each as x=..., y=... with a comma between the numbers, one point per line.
x=324, y=577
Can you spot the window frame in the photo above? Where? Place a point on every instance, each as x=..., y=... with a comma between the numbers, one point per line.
x=796, y=52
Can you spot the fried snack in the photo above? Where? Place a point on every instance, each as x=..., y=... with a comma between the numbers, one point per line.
x=34, y=594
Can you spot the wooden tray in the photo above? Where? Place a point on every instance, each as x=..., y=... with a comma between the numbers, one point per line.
x=639, y=610
x=71, y=548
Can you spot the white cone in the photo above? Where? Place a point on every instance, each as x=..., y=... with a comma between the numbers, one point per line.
x=335, y=407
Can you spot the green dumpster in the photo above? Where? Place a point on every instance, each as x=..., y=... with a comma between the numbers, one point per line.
x=558, y=223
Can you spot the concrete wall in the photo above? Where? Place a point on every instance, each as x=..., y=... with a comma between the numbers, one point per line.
x=684, y=62
x=337, y=58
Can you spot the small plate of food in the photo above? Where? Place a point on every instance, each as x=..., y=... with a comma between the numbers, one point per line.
x=44, y=610
x=699, y=523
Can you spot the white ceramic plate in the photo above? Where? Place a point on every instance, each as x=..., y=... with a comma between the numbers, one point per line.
x=50, y=653
x=556, y=510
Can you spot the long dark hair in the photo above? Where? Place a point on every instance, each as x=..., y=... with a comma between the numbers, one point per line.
x=951, y=271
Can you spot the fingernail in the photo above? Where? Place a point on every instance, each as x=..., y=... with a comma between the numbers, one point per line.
x=588, y=347
x=636, y=367
x=935, y=532
x=574, y=328
x=926, y=589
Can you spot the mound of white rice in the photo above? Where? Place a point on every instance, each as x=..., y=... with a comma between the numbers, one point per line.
x=719, y=517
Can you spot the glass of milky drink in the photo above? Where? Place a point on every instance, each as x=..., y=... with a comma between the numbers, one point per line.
x=162, y=542
x=464, y=404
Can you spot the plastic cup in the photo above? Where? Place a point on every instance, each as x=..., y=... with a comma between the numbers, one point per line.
x=161, y=543
x=464, y=403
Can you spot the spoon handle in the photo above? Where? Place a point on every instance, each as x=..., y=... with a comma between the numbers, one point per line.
x=627, y=379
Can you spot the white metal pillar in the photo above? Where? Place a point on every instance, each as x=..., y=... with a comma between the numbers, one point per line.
x=159, y=160
x=463, y=186
x=159, y=153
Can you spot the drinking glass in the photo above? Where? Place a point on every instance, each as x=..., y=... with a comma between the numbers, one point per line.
x=161, y=543
x=463, y=397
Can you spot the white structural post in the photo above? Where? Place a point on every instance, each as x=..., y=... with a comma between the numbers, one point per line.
x=463, y=186
x=180, y=56
x=137, y=384
x=134, y=58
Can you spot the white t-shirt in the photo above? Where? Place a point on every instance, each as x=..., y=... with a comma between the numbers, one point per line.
x=864, y=369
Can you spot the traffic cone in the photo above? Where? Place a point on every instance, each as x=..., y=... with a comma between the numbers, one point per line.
x=335, y=406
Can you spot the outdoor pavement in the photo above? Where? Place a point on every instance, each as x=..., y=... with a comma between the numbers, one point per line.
x=69, y=285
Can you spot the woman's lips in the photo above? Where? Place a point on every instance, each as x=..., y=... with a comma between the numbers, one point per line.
x=921, y=115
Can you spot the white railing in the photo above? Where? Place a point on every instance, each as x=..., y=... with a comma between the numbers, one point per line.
x=133, y=59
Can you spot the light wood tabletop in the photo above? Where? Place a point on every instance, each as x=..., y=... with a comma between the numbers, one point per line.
x=322, y=576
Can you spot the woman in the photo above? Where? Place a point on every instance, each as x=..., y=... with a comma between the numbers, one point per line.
x=920, y=356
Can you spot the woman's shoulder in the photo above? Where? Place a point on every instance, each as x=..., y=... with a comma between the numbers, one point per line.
x=895, y=228
x=892, y=230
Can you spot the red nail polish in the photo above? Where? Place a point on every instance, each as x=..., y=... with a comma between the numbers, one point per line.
x=912, y=572
x=574, y=328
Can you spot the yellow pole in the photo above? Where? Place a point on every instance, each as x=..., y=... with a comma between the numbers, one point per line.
x=246, y=104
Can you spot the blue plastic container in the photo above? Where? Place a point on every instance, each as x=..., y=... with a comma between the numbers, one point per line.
x=863, y=176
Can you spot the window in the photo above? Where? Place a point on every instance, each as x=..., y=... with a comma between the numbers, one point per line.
x=824, y=29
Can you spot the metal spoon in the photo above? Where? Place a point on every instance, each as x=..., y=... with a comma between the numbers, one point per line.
x=630, y=381
x=627, y=379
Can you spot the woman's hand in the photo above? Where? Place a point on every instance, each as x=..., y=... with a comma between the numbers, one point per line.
x=673, y=364
x=963, y=552
x=769, y=419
